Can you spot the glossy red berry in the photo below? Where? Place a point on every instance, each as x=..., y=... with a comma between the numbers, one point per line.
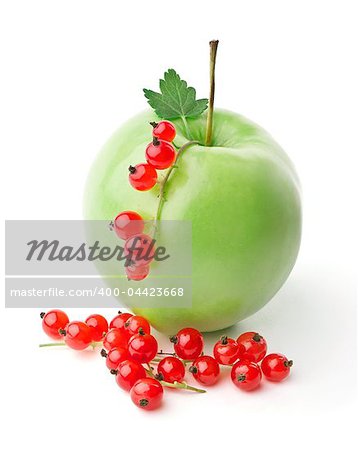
x=160, y=154
x=147, y=393
x=98, y=326
x=252, y=346
x=137, y=273
x=164, y=130
x=115, y=356
x=246, y=375
x=128, y=223
x=188, y=343
x=142, y=177
x=120, y=320
x=171, y=369
x=139, y=250
x=134, y=323
x=53, y=321
x=226, y=351
x=77, y=335
x=115, y=338
x=142, y=347
x=127, y=373
x=205, y=370
x=276, y=367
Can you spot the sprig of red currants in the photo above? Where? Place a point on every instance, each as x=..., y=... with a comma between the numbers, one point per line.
x=131, y=350
x=129, y=225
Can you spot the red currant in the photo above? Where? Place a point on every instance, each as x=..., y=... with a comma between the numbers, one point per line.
x=246, y=375
x=53, y=321
x=252, y=346
x=128, y=223
x=147, y=393
x=127, y=373
x=188, y=343
x=134, y=323
x=137, y=273
x=171, y=369
x=98, y=326
x=205, y=370
x=120, y=320
x=142, y=177
x=139, y=249
x=226, y=351
x=276, y=367
x=77, y=335
x=142, y=347
x=115, y=338
x=164, y=130
x=115, y=356
x=160, y=154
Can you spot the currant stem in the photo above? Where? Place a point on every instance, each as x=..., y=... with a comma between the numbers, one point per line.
x=150, y=370
x=176, y=384
x=53, y=344
x=165, y=180
x=209, y=122
x=182, y=385
x=63, y=344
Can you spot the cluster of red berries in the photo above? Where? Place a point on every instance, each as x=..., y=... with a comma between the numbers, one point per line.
x=160, y=154
x=128, y=346
x=129, y=225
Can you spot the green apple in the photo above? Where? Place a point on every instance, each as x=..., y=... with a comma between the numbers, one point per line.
x=242, y=196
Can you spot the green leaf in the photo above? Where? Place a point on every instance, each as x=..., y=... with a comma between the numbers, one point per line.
x=176, y=99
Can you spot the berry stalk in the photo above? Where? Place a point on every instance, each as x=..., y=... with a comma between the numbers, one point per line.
x=209, y=122
x=165, y=180
x=183, y=385
x=176, y=384
x=63, y=344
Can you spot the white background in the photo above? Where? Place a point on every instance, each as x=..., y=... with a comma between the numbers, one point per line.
x=72, y=72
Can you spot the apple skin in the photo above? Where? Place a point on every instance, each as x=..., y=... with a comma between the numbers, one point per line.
x=242, y=196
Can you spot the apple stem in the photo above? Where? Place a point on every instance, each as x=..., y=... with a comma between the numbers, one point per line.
x=165, y=180
x=209, y=122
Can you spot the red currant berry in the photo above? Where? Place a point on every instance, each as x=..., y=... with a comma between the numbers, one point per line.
x=135, y=273
x=115, y=356
x=128, y=223
x=142, y=347
x=134, y=323
x=252, y=346
x=246, y=375
x=127, y=373
x=115, y=338
x=77, y=335
x=160, y=154
x=142, y=177
x=147, y=393
x=205, y=370
x=139, y=250
x=164, y=130
x=120, y=320
x=276, y=367
x=98, y=326
x=171, y=369
x=188, y=343
x=53, y=321
x=226, y=351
